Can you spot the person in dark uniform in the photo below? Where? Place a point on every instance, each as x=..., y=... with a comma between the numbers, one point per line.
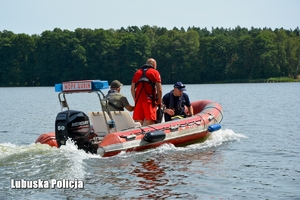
x=175, y=101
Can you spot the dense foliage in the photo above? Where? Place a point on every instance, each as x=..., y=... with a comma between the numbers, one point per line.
x=192, y=56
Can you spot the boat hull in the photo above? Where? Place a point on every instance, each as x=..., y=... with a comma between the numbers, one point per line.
x=178, y=132
x=177, y=139
x=47, y=138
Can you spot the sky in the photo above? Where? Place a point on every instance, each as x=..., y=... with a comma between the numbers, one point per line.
x=35, y=16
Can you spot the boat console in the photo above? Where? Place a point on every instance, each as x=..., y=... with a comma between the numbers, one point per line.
x=73, y=124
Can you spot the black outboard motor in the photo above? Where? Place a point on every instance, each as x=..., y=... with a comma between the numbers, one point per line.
x=75, y=125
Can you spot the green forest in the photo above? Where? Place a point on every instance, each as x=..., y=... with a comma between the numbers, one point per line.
x=193, y=56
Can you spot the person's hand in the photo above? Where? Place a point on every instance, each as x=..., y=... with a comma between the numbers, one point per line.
x=169, y=112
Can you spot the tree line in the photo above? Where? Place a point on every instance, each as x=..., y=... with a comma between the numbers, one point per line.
x=192, y=56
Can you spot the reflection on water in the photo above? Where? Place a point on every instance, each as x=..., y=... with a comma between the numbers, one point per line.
x=150, y=171
x=159, y=175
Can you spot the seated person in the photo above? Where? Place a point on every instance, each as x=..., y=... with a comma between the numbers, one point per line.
x=174, y=102
x=116, y=100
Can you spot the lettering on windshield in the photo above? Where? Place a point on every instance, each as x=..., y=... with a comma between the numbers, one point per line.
x=77, y=86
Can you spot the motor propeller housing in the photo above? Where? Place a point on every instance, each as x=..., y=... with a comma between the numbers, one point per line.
x=72, y=124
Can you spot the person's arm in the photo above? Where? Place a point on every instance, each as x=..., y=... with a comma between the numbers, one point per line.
x=129, y=108
x=126, y=104
x=166, y=103
x=190, y=107
x=159, y=93
x=133, y=91
x=191, y=110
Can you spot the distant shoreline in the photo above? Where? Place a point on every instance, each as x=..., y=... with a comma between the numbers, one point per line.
x=269, y=80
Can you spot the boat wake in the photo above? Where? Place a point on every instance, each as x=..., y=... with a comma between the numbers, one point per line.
x=34, y=160
x=67, y=162
x=70, y=152
x=215, y=139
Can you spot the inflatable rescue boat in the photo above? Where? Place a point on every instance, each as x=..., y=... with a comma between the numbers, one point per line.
x=107, y=133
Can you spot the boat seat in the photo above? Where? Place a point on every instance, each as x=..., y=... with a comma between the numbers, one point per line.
x=99, y=123
x=123, y=120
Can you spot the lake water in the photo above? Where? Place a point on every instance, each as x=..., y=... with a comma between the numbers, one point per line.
x=256, y=154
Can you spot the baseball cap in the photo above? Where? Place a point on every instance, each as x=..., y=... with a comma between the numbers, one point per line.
x=180, y=86
x=115, y=84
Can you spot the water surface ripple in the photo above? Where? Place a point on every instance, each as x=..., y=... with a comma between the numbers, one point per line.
x=254, y=156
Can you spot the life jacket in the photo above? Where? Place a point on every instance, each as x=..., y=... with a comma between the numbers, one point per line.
x=143, y=80
x=179, y=109
x=107, y=97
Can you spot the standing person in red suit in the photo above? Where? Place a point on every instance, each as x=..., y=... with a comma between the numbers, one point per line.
x=146, y=91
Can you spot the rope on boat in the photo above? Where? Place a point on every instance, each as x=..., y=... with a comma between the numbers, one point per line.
x=172, y=127
x=217, y=110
